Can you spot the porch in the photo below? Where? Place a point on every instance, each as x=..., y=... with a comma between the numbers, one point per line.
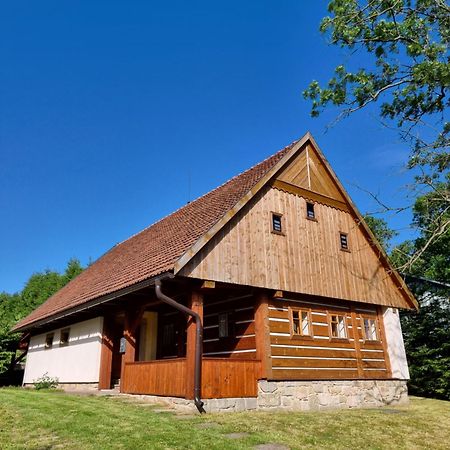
x=221, y=378
x=149, y=347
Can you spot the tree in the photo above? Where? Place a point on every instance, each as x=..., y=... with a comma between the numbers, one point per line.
x=407, y=76
x=427, y=332
x=381, y=230
x=14, y=307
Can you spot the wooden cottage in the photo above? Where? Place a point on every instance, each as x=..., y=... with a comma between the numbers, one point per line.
x=269, y=291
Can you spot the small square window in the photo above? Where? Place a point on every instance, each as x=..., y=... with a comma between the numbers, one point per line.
x=277, y=224
x=64, y=338
x=337, y=325
x=49, y=340
x=300, y=323
x=344, y=241
x=310, y=214
x=370, y=329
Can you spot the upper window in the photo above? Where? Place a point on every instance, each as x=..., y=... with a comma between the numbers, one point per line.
x=300, y=322
x=310, y=214
x=277, y=223
x=370, y=329
x=344, y=241
x=64, y=338
x=338, y=327
x=49, y=340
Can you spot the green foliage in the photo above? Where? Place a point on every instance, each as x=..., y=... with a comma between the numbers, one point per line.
x=381, y=230
x=408, y=70
x=427, y=333
x=45, y=382
x=427, y=343
x=14, y=307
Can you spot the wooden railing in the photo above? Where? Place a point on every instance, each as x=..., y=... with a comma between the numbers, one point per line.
x=163, y=377
x=221, y=377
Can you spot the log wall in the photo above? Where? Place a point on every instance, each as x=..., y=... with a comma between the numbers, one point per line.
x=321, y=356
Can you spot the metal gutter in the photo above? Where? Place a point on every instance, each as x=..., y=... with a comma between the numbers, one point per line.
x=198, y=341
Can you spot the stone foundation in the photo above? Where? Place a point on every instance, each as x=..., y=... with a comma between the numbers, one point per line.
x=301, y=396
x=323, y=395
x=286, y=395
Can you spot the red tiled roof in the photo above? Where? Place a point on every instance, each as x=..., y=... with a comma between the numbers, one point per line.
x=154, y=250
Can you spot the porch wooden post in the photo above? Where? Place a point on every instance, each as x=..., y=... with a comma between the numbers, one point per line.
x=132, y=320
x=104, y=381
x=196, y=304
x=262, y=334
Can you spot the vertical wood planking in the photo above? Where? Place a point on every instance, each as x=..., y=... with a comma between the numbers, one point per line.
x=307, y=259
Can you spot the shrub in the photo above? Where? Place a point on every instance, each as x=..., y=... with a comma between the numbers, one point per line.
x=46, y=382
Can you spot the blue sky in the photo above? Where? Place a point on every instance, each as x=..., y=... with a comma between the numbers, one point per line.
x=114, y=114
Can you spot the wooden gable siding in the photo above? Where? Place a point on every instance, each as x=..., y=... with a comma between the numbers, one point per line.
x=306, y=259
x=321, y=356
x=307, y=171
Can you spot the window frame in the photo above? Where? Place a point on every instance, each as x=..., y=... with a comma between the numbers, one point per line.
x=51, y=335
x=330, y=328
x=314, y=217
x=291, y=323
x=272, y=228
x=364, y=317
x=231, y=326
x=347, y=248
x=64, y=343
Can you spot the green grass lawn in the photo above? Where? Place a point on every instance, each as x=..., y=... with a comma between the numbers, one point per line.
x=53, y=420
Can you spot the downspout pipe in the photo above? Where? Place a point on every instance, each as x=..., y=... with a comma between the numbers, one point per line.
x=198, y=341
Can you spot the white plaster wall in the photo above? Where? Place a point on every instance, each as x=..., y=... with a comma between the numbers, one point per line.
x=77, y=362
x=395, y=345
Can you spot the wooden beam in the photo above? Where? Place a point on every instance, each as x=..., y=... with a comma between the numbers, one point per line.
x=356, y=341
x=208, y=284
x=132, y=320
x=196, y=304
x=262, y=334
x=104, y=381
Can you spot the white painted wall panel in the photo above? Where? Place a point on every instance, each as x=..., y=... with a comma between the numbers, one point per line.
x=396, y=347
x=77, y=362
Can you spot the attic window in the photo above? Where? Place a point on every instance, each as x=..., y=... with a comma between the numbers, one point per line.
x=310, y=214
x=49, y=340
x=277, y=224
x=344, y=241
x=64, y=338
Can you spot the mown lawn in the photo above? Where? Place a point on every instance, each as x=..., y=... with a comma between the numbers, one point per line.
x=53, y=420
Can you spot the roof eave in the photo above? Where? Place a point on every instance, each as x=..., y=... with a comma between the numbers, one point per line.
x=94, y=302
